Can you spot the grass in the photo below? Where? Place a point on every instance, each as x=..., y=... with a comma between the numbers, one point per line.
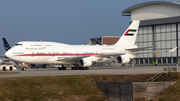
x=65, y=88
x=42, y=88
x=70, y=88
x=171, y=94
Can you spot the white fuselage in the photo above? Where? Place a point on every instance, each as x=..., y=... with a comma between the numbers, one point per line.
x=49, y=52
x=83, y=55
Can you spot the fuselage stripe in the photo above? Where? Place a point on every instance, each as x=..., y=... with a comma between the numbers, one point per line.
x=57, y=54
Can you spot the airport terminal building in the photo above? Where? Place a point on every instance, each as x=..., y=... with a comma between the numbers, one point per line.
x=160, y=25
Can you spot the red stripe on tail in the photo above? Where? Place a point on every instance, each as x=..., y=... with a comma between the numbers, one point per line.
x=126, y=32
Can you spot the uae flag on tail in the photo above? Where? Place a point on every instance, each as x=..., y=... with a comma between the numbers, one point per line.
x=130, y=32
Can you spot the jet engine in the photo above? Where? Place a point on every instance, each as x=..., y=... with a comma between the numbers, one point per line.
x=84, y=62
x=123, y=59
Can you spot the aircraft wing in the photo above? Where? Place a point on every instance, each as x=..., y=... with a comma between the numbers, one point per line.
x=104, y=56
x=70, y=59
x=94, y=57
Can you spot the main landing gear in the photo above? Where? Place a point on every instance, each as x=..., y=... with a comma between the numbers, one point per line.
x=22, y=69
x=76, y=67
x=62, y=68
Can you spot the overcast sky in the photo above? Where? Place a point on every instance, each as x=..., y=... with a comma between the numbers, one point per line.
x=65, y=21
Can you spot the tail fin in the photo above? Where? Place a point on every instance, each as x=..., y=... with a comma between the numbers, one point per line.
x=129, y=36
x=6, y=45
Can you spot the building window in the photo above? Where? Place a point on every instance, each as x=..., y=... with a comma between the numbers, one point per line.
x=146, y=60
x=137, y=61
x=174, y=60
x=168, y=28
x=163, y=28
x=168, y=36
x=150, y=29
x=164, y=60
x=157, y=28
x=159, y=60
x=169, y=59
x=150, y=60
x=150, y=37
x=141, y=60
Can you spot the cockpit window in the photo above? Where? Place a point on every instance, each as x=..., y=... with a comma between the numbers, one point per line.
x=18, y=44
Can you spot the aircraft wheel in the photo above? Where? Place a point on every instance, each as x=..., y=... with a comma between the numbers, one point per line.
x=24, y=68
x=59, y=68
x=64, y=68
x=44, y=66
x=86, y=68
x=72, y=68
x=76, y=68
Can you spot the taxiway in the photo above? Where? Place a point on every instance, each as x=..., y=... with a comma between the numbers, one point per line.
x=92, y=70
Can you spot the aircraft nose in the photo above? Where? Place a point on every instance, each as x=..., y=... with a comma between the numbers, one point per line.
x=8, y=54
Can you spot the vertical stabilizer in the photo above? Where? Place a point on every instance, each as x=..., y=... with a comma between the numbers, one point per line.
x=129, y=36
x=6, y=44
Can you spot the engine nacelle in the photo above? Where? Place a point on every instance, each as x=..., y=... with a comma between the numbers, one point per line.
x=84, y=62
x=123, y=59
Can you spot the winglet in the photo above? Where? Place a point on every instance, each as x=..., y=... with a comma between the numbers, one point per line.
x=172, y=50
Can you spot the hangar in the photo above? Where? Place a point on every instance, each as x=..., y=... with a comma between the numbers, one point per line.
x=160, y=25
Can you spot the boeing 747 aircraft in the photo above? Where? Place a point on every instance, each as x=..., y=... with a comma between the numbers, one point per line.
x=81, y=56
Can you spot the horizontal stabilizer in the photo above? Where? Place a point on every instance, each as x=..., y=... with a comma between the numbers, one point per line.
x=172, y=50
x=137, y=49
